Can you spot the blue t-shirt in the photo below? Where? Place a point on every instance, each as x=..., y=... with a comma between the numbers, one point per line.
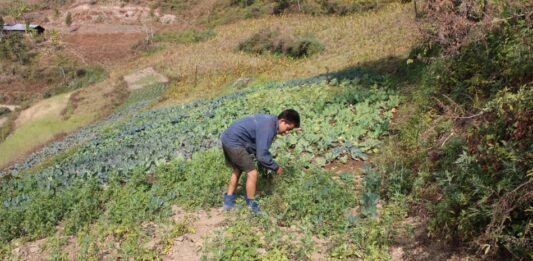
x=255, y=133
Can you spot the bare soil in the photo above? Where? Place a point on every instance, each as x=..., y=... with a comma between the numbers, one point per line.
x=420, y=247
x=106, y=49
x=188, y=247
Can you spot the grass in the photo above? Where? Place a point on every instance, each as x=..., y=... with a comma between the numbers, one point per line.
x=148, y=80
x=39, y=131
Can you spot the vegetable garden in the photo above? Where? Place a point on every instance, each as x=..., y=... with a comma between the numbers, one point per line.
x=133, y=166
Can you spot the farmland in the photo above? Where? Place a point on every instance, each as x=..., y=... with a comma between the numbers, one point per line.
x=342, y=121
x=412, y=146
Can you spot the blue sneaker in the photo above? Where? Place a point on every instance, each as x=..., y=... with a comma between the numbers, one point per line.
x=254, y=206
x=229, y=201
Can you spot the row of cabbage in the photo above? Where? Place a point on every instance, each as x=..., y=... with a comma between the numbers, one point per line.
x=339, y=121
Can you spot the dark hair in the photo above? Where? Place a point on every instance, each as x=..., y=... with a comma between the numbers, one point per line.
x=291, y=116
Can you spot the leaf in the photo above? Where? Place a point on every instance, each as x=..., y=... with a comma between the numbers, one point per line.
x=358, y=154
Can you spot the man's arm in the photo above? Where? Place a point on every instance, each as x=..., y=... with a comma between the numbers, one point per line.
x=263, y=140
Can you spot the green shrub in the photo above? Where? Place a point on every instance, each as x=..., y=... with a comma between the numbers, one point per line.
x=467, y=153
x=482, y=68
x=15, y=48
x=75, y=77
x=4, y=111
x=276, y=42
x=311, y=199
x=68, y=19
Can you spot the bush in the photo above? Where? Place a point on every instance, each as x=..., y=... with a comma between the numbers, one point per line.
x=4, y=111
x=68, y=19
x=483, y=68
x=276, y=42
x=15, y=48
x=467, y=153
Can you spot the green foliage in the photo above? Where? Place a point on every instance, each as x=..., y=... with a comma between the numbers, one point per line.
x=55, y=245
x=141, y=187
x=311, y=199
x=370, y=193
x=195, y=183
x=483, y=68
x=485, y=170
x=16, y=9
x=369, y=238
x=7, y=127
x=467, y=153
x=86, y=202
x=15, y=48
x=276, y=42
x=257, y=238
x=74, y=77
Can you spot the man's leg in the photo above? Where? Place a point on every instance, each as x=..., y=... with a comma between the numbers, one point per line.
x=251, y=182
x=229, y=198
x=233, y=181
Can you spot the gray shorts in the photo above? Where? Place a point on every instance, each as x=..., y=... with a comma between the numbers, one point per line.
x=238, y=158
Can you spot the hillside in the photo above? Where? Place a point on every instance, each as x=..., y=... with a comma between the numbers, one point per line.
x=416, y=139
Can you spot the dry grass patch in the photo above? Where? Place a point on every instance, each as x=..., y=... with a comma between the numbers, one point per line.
x=204, y=69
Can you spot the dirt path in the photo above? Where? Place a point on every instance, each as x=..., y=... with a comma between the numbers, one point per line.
x=45, y=107
x=188, y=247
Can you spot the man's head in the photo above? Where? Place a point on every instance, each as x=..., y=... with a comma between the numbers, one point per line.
x=288, y=120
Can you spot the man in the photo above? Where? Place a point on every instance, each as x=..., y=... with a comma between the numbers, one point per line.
x=253, y=135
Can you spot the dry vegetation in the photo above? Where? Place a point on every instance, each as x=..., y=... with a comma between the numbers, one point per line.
x=207, y=68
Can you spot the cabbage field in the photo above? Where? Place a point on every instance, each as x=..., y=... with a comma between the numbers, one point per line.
x=133, y=166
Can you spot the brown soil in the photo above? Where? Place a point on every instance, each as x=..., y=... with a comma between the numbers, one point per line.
x=349, y=166
x=107, y=49
x=419, y=247
x=31, y=251
x=15, y=92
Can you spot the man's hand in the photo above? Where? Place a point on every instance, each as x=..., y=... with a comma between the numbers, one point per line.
x=279, y=170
